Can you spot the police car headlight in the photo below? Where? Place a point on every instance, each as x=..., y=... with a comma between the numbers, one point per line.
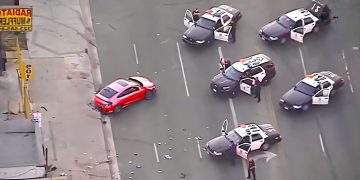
x=184, y=37
x=273, y=38
x=297, y=106
x=200, y=42
x=226, y=88
x=281, y=100
x=217, y=153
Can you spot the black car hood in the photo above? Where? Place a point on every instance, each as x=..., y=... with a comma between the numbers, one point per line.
x=293, y=97
x=198, y=33
x=274, y=29
x=219, y=144
x=222, y=80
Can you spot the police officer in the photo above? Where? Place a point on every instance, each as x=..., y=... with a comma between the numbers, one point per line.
x=196, y=14
x=251, y=167
x=224, y=64
x=257, y=89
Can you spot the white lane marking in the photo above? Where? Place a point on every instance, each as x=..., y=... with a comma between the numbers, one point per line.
x=322, y=144
x=156, y=153
x=302, y=61
x=347, y=70
x=233, y=113
x=198, y=145
x=136, y=56
x=182, y=68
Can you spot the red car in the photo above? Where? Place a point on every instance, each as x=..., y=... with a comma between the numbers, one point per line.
x=123, y=92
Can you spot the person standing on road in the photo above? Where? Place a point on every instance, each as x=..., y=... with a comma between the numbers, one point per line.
x=257, y=89
x=196, y=14
x=251, y=168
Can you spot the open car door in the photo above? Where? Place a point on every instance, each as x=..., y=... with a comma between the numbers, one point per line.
x=224, y=127
x=188, y=19
x=298, y=34
x=246, y=85
x=223, y=33
x=243, y=150
x=322, y=97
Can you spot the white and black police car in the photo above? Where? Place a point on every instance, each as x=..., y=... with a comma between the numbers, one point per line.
x=241, y=75
x=316, y=89
x=243, y=139
x=297, y=23
x=215, y=23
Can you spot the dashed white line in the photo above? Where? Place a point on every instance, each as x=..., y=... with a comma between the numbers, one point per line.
x=233, y=113
x=182, y=68
x=136, y=56
x=322, y=145
x=156, y=153
x=302, y=61
x=198, y=145
x=347, y=71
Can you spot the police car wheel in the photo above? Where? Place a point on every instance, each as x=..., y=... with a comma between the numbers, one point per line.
x=265, y=146
x=316, y=29
x=333, y=92
x=118, y=108
x=283, y=40
x=305, y=107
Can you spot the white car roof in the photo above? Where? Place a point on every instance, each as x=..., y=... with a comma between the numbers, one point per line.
x=249, y=129
x=315, y=79
x=301, y=13
x=246, y=63
x=215, y=13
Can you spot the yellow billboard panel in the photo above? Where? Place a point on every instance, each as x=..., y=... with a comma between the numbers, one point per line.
x=16, y=19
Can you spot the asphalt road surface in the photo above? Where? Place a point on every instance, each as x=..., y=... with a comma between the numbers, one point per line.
x=144, y=37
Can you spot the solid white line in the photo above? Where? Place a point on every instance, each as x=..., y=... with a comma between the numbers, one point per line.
x=347, y=71
x=199, y=149
x=182, y=68
x=302, y=61
x=322, y=145
x=136, y=56
x=156, y=153
x=233, y=113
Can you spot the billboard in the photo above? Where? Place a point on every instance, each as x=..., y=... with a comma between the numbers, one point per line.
x=16, y=19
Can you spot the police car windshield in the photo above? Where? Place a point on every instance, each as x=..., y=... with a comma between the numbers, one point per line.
x=206, y=23
x=233, y=74
x=234, y=137
x=286, y=22
x=305, y=89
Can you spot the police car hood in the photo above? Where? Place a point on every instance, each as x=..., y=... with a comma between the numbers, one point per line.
x=274, y=29
x=198, y=33
x=294, y=97
x=219, y=144
x=222, y=80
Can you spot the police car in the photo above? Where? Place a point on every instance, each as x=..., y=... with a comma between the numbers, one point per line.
x=240, y=76
x=297, y=23
x=316, y=89
x=213, y=24
x=243, y=139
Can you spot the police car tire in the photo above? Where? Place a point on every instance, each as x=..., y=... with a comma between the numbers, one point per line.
x=305, y=107
x=149, y=94
x=265, y=146
x=316, y=28
x=283, y=40
x=332, y=93
x=117, y=109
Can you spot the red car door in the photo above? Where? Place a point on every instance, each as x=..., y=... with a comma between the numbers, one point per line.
x=131, y=95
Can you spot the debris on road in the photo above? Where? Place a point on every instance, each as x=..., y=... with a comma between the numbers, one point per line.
x=168, y=157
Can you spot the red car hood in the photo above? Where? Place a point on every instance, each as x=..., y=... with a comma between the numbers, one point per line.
x=146, y=82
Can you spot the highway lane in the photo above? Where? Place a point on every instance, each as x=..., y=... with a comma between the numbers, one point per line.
x=200, y=65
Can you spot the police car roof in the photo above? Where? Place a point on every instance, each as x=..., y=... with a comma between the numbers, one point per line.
x=250, y=62
x=248, y=129
x=214, y=13
x=297, y=14
x=315, y=79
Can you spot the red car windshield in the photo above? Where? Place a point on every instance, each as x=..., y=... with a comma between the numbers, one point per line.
x=108, y=92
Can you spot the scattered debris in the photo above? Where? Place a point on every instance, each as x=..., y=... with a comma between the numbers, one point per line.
x=170, y=148
x=68, y=77
x=165, y=143
x=155, y=72
x=184, y=129
x=170, y=138
x=165, y=115
x=130, y=177
x=198, y=137
x=204, y=148
x=159, y=171
x=135, y=154
x=168, y=129
x=189, y=138
x=182, y=175
x=138, y=166
x=132, y=172
x=185, y=150
x=84, y=153
x=63, y=174
x=130, y=162
x=90, y=167
x=137, y=72
x=355, y=48
x=168, y=157
x=207, y=127
x=158, y=34
x=117, y=155
x=159, y=143
x=44, y=108
x=97, y=23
